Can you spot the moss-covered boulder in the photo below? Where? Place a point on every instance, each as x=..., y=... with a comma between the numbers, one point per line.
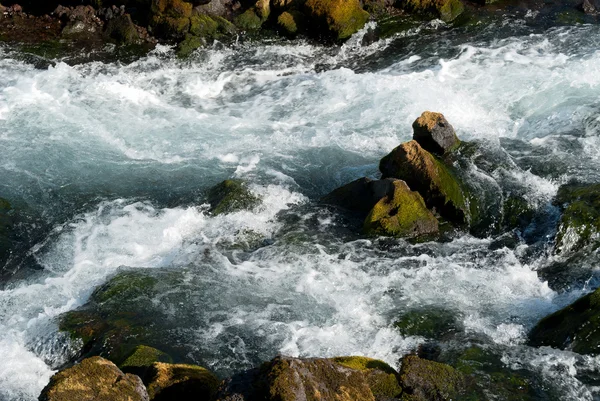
x=249, y=20
x=231, y=196
x=291, y=22
x=94, y=379
x=434, y=133
x=122, y=30
x=171, y=18
x=435, y=323
x=579, y=224
x=424, y=380
x=446, y=10
x=576, y=327
x=168, y=382
x=401, y=213
x=339, y=18
x=428, y=175
x=141, y=360
x=203, y=31
x=358, y=196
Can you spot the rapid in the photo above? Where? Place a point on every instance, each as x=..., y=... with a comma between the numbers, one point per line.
x=115, y=158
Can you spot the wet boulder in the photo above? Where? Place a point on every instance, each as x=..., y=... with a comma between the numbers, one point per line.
x=358, y=196
x=338, y=18
x=424, y=380
x=181, y=382
x=434, y=133
x=94, y=379
x=400, y=213
x=142, y=359
x=122, y=30
x=171, y=18
x=579, y=224
x=291, y=22
x=288, y=379
x=446, y=10
x=428, y=175
x=231, y=196
x=574, y=327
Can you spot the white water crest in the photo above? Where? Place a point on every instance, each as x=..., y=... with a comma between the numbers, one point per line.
x=116, y=158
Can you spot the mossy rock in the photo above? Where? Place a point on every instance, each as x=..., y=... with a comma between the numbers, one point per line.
x=203, y=31
x=579, y=224
x=424, y=380
x=231, y=196
x=172, y=8
x=122, y=30
x=94, y=379
x=575, y=327
x=340, y=18
x=203, y=26
x=428, y=175
x=249, y=20
x=291, y=22
x=517, y=212
x=435, y=323
x=171, y=18
x=141, y=360
x=434, y=133
x=189, y=44
x=381, y=377
x=401, y=213
x=181, y=382
x=446, y=10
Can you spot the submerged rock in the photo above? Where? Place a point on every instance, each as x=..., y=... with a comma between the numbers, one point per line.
x=400, y=213
x=574, y=327
x=429, y=176
x=181, y=382
x=340, y=18
x=434, y=323
x=579, y=224
x=434, y=133
x=231, y=196
x=94, y=379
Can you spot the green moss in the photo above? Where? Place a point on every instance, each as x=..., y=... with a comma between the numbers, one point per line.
x=342, y=18
x=381, y=377
x=248, y=20
x=576, y=327
x=144, y=356
x=363, y=363
x=451, y=9
x=579, y=223
x=516, y=212
x=446, y=10
x=231, y=196
x=203, y=26
x=122, y=30
x=189, y=44
x=402, y=214
x=424, y=380
x=125, y=285
x=287, y=22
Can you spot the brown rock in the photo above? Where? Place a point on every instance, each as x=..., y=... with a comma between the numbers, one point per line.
x=181, y=382
x=434, y=133
x=424, y=380
x=94, y=379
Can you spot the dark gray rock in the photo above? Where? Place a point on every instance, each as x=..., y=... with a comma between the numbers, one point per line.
x=434, y=133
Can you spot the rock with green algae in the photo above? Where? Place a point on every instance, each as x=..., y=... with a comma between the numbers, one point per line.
x=350, y=378
x=435, y=323
x=203, y=30
x=339, y=18
x=430, y=177
x=446, y=10
x=249, y=20
x=122, y=30
x=424, y=380
x=291, y=22
x=401, y=213
x=183, y=382
x=94, y=379
x=141, y=360
x=171, y=18
x=231, y=196
x=434, y=133
x=579, y=224
x=575, y=327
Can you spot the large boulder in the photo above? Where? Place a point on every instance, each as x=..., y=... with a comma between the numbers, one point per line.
x=181, y=382
x=401, y=213
x=574, y=327
x=426, y=174
x=339, y=18
x=424, y=380
x=434, y=133
x=290, y=379
x=579, y=224
x=94, y=379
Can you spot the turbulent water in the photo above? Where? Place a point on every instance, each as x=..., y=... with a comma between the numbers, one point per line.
x=115, y=160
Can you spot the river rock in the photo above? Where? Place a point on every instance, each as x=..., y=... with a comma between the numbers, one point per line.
x=142, y=359
x=339, y=18
x=434, y=133
x=231, y=196
x=446, y=10
x=289, y=379
x=359, y=195
x=574, y=327
x=401, y=213
x=434, y=323
x=94, y=379
x=171, y=18
x=122, y=30
x=429, y=176
x=424, y=380
x=579, y=224
x=181, y=382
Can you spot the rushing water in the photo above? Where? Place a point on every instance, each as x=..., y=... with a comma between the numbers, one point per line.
x=115, y=159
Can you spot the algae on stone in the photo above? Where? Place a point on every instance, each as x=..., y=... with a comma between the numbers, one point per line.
x=341, y=18
x=231, y=196
x=431, y=323
x=291, y=22
x=424, y=380
x=402, y=213
x=94, y=379
x=446, y=10
x=122, y=30
x=168, y=382
x=429, y=176
x=141, y=360
x=434, y=133
x=579, y=223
